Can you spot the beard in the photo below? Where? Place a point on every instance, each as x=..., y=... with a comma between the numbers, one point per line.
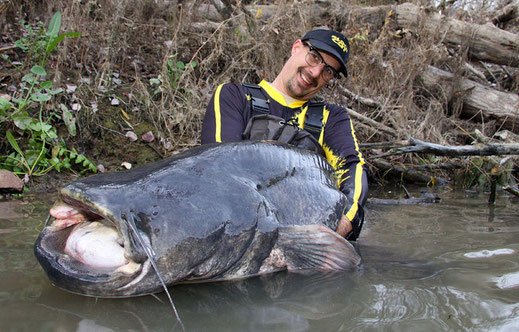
x=293, y=86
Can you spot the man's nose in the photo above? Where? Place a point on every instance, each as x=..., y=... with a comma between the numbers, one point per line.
x=317, y=70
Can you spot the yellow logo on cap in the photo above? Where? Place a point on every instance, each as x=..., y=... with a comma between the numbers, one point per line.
x=340, y=42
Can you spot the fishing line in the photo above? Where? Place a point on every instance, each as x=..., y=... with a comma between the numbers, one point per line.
x=131, y=222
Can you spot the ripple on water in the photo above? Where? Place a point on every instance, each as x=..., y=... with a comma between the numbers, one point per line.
x=489, y=253
x=509, y=280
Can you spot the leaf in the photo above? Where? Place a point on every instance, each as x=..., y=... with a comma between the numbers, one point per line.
x=23, y=122
x=155, y=81
x=13, y=142
x=38, y=70
x=5, y=105
x=46, y=85
x=66, y=164
x=70, y=121
x=51, y=46
x=40, y=97
x=46, y=126
x=80, y=158
x=52, y=133
x=125, y=115
x=54, y=24
x=55, y=91
x=35, y=126
x=92, y=167
x=57, y=164
x=55, y=151
x=29, y=78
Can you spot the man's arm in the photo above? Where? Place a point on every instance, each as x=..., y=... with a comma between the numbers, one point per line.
x=342, y=151
x=223, y=120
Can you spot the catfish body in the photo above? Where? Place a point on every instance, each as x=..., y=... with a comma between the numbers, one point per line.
x=215, y=212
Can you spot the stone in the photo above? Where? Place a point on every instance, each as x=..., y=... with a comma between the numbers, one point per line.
x=10, y=183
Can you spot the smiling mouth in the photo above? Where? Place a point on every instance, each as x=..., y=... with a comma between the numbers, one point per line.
x=307, y=79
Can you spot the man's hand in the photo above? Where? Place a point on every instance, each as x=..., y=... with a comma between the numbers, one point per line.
x=344, y=227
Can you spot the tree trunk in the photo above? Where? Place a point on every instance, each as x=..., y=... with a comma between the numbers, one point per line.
x=485, y=42
x=493, y=104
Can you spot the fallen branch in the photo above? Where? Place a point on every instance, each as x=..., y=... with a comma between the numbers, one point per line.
x=506, y=14
x=363, y=100
x=384, y=145
x=425, y=199
x=420, y=147
x=485, y=42
x=512, y=189
x=476, y=97
x=410, y=175
x=372, y=123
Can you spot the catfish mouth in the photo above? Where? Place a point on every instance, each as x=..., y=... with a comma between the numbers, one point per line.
x=87, y=251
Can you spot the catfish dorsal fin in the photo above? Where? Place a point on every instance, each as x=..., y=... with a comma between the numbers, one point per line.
x=316, y=247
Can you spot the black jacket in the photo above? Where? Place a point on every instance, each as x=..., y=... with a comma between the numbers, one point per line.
x=230, y=109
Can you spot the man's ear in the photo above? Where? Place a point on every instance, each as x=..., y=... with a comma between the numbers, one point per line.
x=297, y=44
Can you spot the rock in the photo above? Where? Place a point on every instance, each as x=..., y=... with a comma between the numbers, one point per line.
x=10, y=183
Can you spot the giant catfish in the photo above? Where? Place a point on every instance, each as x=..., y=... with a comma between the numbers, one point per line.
x=214, y=212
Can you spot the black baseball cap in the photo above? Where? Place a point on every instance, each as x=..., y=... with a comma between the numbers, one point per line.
x=332, y=42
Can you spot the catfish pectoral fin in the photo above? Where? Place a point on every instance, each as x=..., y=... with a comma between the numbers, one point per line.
x=316, y=247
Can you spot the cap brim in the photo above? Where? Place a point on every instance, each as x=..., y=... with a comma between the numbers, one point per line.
x=327, y=48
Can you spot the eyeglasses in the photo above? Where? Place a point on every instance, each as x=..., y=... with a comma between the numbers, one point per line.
x=314, y=58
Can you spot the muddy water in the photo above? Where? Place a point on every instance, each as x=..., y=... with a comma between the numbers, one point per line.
x=450, y=266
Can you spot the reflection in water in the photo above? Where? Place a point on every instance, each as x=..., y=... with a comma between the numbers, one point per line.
x=452, y=266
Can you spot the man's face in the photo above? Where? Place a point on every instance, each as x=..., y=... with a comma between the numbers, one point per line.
x=302, y=81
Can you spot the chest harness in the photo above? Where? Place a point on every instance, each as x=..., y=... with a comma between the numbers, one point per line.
x=262, y=125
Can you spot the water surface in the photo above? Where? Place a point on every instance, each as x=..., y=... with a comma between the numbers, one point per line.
x=447, y=266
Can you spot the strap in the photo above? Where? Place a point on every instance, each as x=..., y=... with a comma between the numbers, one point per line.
x=260, y=106
x=314, y=119
x=259, y=102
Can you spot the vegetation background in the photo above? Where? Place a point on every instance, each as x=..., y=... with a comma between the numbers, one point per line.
x=128, y=81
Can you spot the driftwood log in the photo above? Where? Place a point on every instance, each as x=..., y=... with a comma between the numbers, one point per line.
x=420, y=174
x=484, y=42
x=479, y=101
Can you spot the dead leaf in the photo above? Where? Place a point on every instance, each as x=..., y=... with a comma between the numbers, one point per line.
x=125, y=114
x=131, y=135
x=148, y=137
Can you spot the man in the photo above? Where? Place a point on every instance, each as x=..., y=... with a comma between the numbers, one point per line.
x=316, y=60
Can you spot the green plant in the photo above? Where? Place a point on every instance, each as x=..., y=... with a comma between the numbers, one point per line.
x=174, y=70
x=39, y=42
x=40, y=149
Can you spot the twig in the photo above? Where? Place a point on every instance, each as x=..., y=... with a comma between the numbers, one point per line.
x=384, y=145
x=512, y=189
x=7, y=48
x=360, y=99
x=372, y=122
